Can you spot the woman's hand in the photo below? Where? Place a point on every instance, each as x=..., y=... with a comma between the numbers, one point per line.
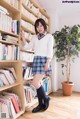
x=46, y=67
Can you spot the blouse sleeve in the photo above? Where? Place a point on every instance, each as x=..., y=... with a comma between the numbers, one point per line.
x=50, y=47
x=30, y=45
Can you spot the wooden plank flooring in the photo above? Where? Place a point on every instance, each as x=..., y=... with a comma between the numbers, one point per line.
x=61, y=107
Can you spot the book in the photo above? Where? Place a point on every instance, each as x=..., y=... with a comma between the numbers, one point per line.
x=12, y=71
x=14, y=99
x=7, y=99
x=4, y=78
x=8, y=76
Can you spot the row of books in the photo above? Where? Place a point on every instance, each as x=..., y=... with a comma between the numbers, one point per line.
x=27, y=25
x=27, y=57
x=14, y=3
x=27, y=72
x=8, y=24
x=47, y=84
x=9, y=52
x=30, y=93
x=8, y=38
x=7, y=76
x=31, y=6
x=28, y=14
x=10, y=105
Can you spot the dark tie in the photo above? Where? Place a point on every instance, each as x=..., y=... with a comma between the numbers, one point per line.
x=40, y=36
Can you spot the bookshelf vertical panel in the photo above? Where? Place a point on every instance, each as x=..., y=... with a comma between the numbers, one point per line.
x=18, y=68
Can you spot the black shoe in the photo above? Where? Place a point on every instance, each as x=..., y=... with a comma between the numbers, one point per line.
x=37, y=109
x=46, y=104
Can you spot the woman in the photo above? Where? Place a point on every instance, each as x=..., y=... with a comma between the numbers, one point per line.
x=42, y=43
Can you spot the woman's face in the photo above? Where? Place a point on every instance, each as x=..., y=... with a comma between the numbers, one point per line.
x=40, y=28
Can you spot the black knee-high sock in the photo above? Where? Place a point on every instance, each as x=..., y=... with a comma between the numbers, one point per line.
x=44, y=97
x=42, y=93
x=39, y=98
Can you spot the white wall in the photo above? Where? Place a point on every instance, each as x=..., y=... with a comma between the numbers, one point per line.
x=54, y=26
x=69, y=20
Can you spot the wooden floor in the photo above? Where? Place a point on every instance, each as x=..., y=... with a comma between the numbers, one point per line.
x=61, y=107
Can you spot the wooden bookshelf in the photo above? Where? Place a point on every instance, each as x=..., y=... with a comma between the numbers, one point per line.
x=17, y=87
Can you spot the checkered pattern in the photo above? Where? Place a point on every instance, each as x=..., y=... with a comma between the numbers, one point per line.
x=38, y=66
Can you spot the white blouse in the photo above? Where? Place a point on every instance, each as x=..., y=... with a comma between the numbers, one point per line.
x=42, y=47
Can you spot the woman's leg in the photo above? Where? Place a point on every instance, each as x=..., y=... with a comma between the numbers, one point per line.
x=36, y=82
x=41, y=93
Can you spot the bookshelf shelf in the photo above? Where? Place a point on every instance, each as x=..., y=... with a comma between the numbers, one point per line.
x=6, y=42
x=47, y=24
x=27, y=30
x=28, y=79
x=8, y=33
x=35, y=4
x=27, y=19
x=9, y=7
x=19, y=114
x=26, y=61
x=9, y=61
x=25, y=80
x=43, y=12
x=28, y=9
x=24, y=50
x=9, y=86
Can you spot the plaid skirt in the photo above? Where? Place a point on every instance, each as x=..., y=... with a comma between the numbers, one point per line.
x=38, y=65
